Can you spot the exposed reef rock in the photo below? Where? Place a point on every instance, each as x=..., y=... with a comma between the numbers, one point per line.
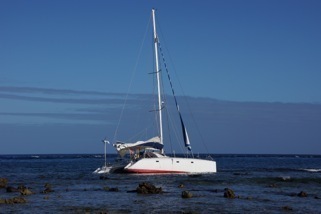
x=148, y=188
x=228, y=193
x=187, y=194
x=3, y=182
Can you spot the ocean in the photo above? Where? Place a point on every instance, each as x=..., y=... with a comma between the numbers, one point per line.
x=261, y=184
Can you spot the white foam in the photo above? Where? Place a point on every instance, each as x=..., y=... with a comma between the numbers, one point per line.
x=312, y=170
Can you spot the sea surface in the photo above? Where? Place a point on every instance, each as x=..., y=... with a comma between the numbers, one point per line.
x=261, y=183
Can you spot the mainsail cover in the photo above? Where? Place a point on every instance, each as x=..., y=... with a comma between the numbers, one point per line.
x=153, y=143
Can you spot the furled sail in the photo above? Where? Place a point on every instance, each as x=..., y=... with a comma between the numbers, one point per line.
x=184, y=131
x=185, y=135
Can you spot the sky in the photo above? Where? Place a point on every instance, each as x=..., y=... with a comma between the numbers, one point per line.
x=248, y=73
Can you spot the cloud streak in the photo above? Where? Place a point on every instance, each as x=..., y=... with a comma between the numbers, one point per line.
x=68, y=105
x=111, y=103
x=51, y=91
x=228, y=127
x=66, y=96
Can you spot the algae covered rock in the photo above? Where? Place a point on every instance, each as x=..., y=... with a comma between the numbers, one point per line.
x=148, y=188
x=228, y=193
x=187, y=194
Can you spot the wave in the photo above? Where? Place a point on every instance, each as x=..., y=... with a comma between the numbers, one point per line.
x=35, y=156
x=311, y=170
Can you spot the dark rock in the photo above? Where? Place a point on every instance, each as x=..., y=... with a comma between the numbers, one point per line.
x=21, y=187
x=114, y=189
x=148, y=188
x=142, y=190
x=48, y=188
x=19, y=200
x=12, y=189
x=302, y=194
x=181, y=186
x=26, y=191
x=287, y=208
x=3, y=182
x=186, y=194
x=228, y=193
x=15, y=200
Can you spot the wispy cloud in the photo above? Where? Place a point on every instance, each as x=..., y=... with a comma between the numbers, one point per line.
x=64, y=116
x=239, y=126
x=62, y=100
x=66, y=105
x=65, y=96
x=15, y=89
x=110, y=104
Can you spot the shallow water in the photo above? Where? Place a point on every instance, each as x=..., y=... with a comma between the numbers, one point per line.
x=262, y=184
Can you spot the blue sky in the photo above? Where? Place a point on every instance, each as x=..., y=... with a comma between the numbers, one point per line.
x=251, y=71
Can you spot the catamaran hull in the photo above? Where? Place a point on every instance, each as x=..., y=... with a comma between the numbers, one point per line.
x=171, y=165
x=103, y=170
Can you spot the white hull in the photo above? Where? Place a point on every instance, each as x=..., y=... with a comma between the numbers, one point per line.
x=115, y=168
x=171, y=165
x=103, y=170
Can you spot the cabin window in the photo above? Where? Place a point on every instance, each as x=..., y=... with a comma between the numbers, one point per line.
x=192, y=161
x=177, y=161
x=157, y=161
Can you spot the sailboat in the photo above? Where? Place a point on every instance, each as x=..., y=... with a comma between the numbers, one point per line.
x=148, y=156
x=106, y=167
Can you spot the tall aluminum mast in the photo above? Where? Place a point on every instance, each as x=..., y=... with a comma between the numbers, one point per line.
x=158, y=80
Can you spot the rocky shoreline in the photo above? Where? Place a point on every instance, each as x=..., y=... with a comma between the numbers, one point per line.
x=22, y=189
x=146, y=188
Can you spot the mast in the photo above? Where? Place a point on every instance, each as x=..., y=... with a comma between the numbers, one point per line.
x=105, y=154
x=158, y=80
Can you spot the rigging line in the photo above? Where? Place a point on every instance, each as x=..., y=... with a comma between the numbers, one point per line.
x=185, y=136
x=132, y=78
x=184, y=95
x=164, y=97
x=138, y=135
x=176, y=104
x=175, y=131
x=164, y=107
x=169, y=133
